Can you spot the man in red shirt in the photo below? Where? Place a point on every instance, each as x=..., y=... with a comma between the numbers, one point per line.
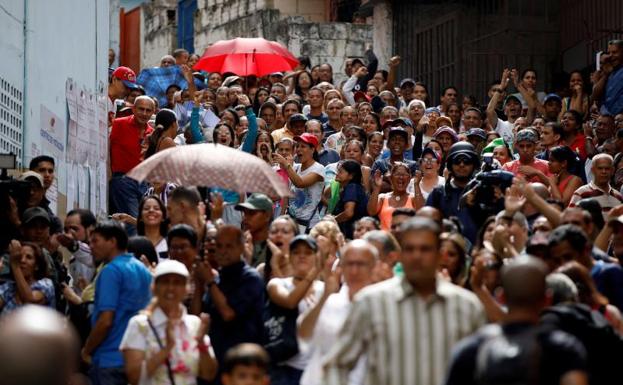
x=128, y=139
x=534, y=170
x=122, y=81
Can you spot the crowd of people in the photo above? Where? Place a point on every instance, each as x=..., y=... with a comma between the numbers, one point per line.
x=465, y=242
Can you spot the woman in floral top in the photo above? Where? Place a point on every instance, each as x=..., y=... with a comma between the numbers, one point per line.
x=165, y=341
x=29, y=270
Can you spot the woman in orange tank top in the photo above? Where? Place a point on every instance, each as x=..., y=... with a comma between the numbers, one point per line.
x=561, y=159
x=383, y=205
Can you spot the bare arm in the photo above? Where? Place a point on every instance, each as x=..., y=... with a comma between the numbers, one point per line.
x=99, y=332
x=25, y=293
x=374, y=203
x=348, y=213
x=290, y=300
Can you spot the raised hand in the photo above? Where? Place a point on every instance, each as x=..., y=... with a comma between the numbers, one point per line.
x=15, y=252
x=505, y=78
x=513, y=199
x=394, y=61
x=361, y=72
x=378, y=179
x=203, y=328
x=244, y=100
x=217, y=205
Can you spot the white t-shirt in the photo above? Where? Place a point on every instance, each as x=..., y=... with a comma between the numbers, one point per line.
x=330, y=321
x=505, y=129
x=305, y=200
x=440, y=182
x=300, y=360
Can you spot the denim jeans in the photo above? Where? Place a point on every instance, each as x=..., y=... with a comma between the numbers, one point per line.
x=107, y=376
x=125, y=196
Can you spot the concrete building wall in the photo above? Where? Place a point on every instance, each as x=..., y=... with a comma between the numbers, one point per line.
x=114, y=29
x=43, y=44
x=297, y=24
x=159, y=21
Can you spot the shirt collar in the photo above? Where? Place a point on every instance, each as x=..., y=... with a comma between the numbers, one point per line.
x=443, y=290
x=595, y=187
x=159, y=318
x=232, y=270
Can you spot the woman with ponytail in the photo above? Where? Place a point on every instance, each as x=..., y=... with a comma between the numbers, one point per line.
x=165, y=132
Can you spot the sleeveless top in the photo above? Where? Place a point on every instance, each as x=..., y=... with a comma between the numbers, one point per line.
x=562, y=185
x=385, y=214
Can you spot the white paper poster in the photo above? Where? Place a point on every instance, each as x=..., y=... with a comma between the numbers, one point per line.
x=72, y=186
x=52, y=131
x=102, y=189
x=70, y=95
x=83, y=187
x=52, y=196
x=102, y=131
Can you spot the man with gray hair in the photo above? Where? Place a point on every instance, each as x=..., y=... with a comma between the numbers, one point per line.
x=319, y=326
x=388, y=319
x=600, y=189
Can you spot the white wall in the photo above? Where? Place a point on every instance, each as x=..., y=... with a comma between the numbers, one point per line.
x=64, y=39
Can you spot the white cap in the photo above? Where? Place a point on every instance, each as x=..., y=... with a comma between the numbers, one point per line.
x=32, y=175
x=170, y=266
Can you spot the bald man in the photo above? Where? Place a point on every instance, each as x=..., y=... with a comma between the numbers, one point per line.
x=39, y=347
x=235, y=303
x=505, y=353
x=127, y=144
x=320, y=325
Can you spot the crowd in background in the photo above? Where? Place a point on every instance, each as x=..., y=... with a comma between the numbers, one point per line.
x=458, y=241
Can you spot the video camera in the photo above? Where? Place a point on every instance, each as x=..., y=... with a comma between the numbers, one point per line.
x=16, y=189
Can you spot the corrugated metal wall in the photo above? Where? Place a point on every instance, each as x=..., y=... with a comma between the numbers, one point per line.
x=467, y=43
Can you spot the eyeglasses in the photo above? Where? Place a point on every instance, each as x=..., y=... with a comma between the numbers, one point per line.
x=461, y=160
x=428, y=161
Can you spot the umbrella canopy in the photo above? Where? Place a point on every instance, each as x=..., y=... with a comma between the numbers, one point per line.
x=156, y=80
x=211, y=165
x=246, y=56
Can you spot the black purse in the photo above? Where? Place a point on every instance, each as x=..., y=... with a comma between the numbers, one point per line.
x=169, y=370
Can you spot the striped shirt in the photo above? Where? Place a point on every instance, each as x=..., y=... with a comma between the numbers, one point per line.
x=606, y=199
x=407, y=339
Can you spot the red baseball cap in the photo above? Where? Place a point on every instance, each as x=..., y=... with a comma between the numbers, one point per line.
x=307, y=138
x=126, y=75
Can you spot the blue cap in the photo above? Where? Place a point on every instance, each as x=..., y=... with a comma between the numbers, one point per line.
x=552, y=96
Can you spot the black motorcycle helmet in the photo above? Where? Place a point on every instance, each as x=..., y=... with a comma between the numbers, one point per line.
x=465, y=149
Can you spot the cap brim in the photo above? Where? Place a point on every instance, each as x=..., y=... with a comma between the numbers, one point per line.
x=246, y=205
x=46, y=219
x=129, y=84
x=297, y=241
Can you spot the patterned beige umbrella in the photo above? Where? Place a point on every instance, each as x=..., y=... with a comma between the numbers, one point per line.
x=211, y=165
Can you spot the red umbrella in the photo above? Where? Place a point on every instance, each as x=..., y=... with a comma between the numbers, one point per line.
x=246, y=56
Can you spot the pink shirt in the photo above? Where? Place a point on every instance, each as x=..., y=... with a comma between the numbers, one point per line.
x=539, y=164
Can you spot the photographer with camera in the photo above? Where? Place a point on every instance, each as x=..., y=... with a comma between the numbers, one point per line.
x=462, y=162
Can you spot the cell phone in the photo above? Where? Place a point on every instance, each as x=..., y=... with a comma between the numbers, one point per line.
x=598, y=60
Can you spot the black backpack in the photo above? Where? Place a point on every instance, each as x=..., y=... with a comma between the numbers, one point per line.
x=602, y=343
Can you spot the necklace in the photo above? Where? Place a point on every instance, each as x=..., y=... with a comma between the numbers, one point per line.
x=397, y=197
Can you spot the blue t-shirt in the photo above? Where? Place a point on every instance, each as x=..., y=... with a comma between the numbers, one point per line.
x=613, y=100
x=608, y=278
x=123, y=286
